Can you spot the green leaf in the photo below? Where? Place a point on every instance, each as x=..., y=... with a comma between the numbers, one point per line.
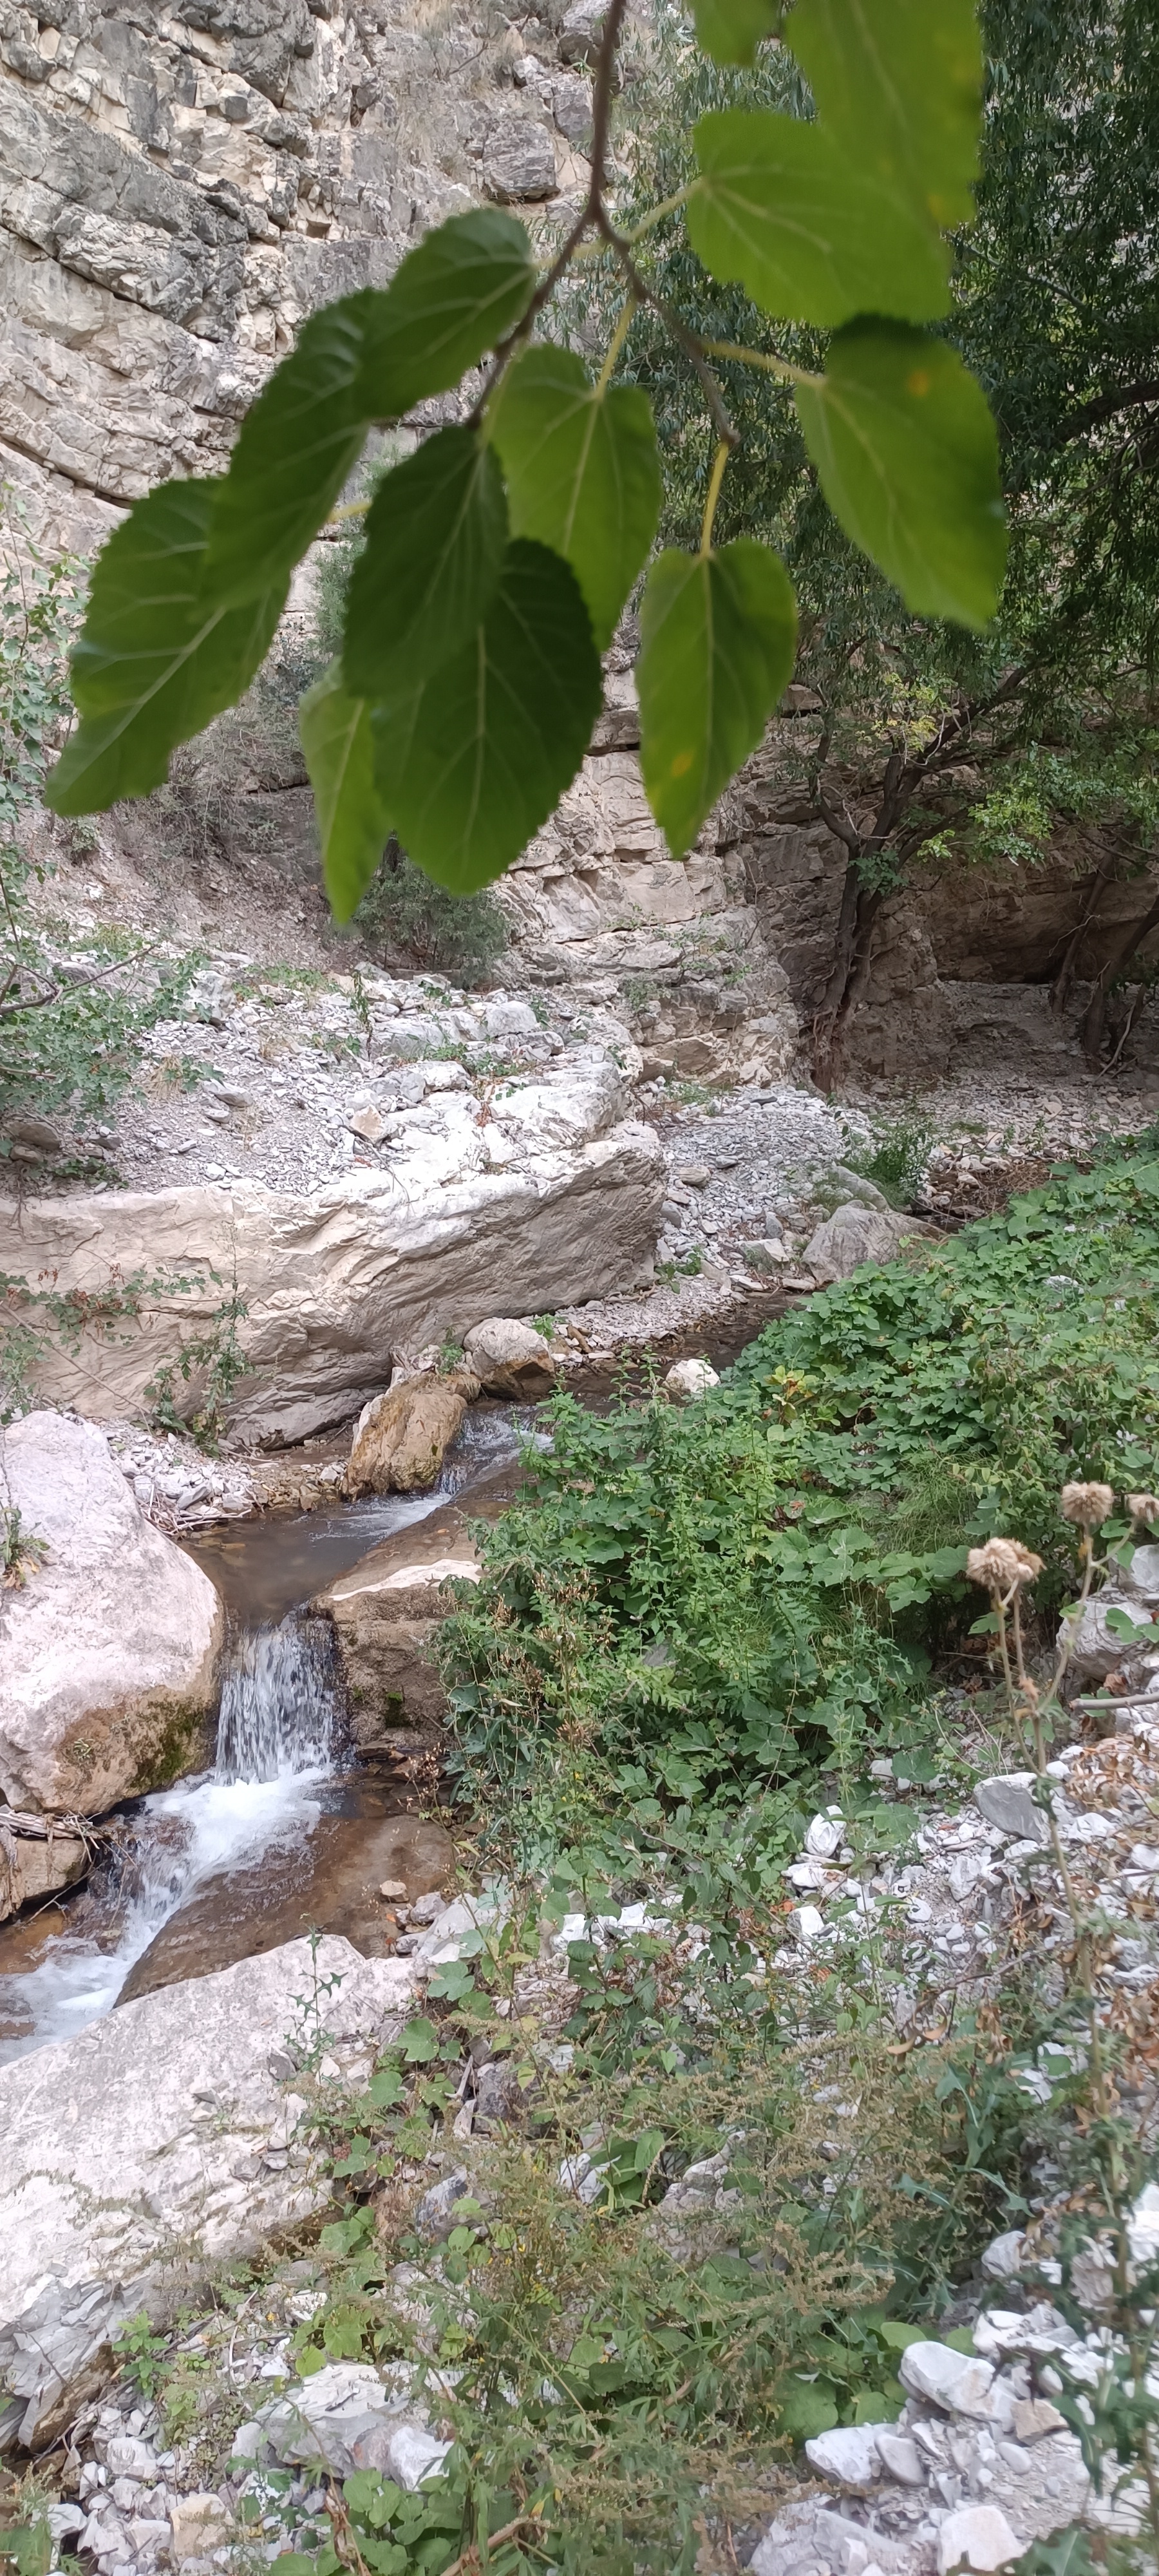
x=420, y=2042
x=804, y=2407
x=456, y=296
x=369, y=358
x=435, y=540
x=472, y=764
x=718, y=639
x=899, y=84
x=353, y=825
x=813, y=237
x=296, y=447
x=907, y=453
x=155, y=659
x=729, y=31
x=583, y=474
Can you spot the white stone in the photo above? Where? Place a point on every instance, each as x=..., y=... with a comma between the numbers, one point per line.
x=1006, y=1801
x=109, y=1651
x=688, y=1379
x=413, y=2454
x=1002, y=2260
x=119, y=2150
x=199, y=2523
x=977, y=2537
x=824, y=1837
x=900, y=2458
x=952, y=2380
x=510, y=1358
x=848, y=2455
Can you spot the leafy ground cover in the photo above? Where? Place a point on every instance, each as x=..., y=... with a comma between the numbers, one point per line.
x=705, y=1614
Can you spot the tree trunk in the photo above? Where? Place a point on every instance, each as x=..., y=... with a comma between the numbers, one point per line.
x=860, y=906
x=1060, y=989
x=1094, y=1019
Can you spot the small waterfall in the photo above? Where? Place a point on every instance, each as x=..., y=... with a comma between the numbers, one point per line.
x=278, y=1703
x=278, y=1737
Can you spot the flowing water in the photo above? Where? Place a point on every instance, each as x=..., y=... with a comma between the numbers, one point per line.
x=282, y=1781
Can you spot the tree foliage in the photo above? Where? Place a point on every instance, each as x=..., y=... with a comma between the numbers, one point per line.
x=924, y=727
x=501, y=554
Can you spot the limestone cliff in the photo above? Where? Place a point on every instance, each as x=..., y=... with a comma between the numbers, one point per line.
x=180, y=185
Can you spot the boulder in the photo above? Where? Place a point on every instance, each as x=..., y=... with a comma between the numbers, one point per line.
x=35, y=1864
x=1097, y=1649
x=511, y=1358
x=400, y=1438
x=688, y=1379
x=978, y=2537
x=386, y=1613
x=581, y=32
x=550, y=1203
x=162, y=2142
x=344, y=2419
x=1007, y=1800
x=109, y=1651
x=519, y=162
x=949, y=2379
x=854, y=1235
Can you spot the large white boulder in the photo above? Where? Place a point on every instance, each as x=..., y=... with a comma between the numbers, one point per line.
x=162, y=2141
x=511, y=1358
x=553, y=1198
x=108, y=1651
x=854, y=1235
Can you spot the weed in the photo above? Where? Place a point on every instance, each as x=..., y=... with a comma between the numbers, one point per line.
x=896, y=1157
x=21, y=1552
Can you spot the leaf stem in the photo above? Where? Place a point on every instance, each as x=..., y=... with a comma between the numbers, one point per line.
x=616, y=343
x=667, y=206
x=716, y=478
x=773, y=366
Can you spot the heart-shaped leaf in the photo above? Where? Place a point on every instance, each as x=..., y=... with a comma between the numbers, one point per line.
x=473, y=762
x=800, y=223
x=907, y=453
x=369, y=358
x=435, y=541
x=156, y=658
x=583, y=474
x=353, y=825
x=718, y=639
x=898, y=84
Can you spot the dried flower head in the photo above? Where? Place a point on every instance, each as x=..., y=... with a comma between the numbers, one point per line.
x=1087, y=1505
x=1002, y=1565
x=1144, y=1508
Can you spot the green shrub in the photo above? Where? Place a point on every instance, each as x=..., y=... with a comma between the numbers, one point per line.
x=698, y=1609
x=403, y=910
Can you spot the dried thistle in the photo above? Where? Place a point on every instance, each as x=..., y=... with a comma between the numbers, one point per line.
x=1144, y=1509
x=1002, y=1565
x=1088, y=1506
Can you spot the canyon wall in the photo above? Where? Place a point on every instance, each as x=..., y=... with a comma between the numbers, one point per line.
x=179, y=186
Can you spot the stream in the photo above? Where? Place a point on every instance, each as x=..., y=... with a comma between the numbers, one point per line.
x=288, y=1826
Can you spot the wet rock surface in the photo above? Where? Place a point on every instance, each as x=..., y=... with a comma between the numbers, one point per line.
x=327, y=1880
x=109, y=1648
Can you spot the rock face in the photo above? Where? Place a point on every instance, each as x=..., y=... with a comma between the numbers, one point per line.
x=159, y=2142
x=386, y=1612
x=557, y=1198
x=180, y=187
x=400, y=1437
x=108, y=1656
x=510, y=1358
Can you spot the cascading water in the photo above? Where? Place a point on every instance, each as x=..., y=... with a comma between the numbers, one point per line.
x=277, y=1741
x=278, y=1753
